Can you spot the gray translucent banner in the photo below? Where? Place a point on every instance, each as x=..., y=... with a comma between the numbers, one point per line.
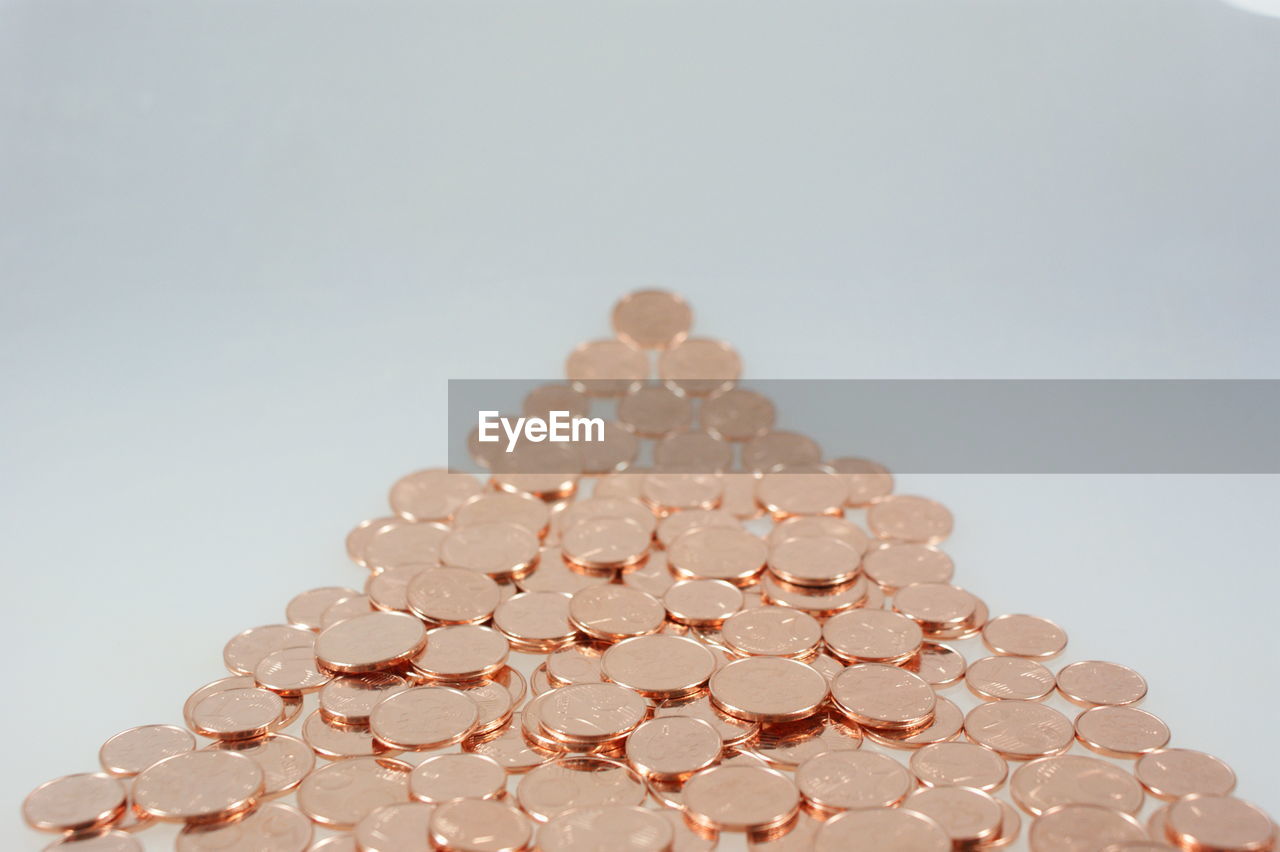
x=968, y=426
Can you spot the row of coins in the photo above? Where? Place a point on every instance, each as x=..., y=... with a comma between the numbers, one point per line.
x=694, y=676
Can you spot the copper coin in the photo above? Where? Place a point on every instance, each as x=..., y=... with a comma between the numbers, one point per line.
x=703, y=603
x=615, y=827
x=617, y=450
x=535, y=620
x=243, y=653
x=371, y=642
x=1121, y=731
x=795, y=836
x=652, y=319
x=501, y=507
x=237, y=714
x=907, y=518
x=700, y=366
x=737, y=414
x=542, y=470
x=403, y=543
x=358, y=538
x=870, y=635
x=882, y=830
x=732, y=730
x=499, y=550
x=896, y=565
x=578, y=782
x=652, y=576
x=1074, y=779
x=341, y=794
x=946, y=725
x=544, y=399
x=740, y=798
x=199, y=786
x=509, y=748
x=673, y=526
x=129, y=752
x=306, y=608
x=350, y=699
x=655, y=410
x=462, y=652
x=1024, y=636
x=970, y=627
x=692, y=452
x=718, y=553
x=75, y=803
x=673, y=747
x=993, y=678
x=290, y=671
x=779, y=448
x=336, y=741
x=555, y=574
x=768, y=689
x=1171, y=773
x=1203, y=822
x=786, y=745
x=336, y=843
x=1070, y=828
x=606, y=507
x=452, y=596
x=606, y=368
x=820, y=526
x=494, y=702
x=103, y=841
x=1019, y=730
x=935, y=606
x=444, y=777
x=1010, y=826
x=819, y=492
x=659, y=666
x=939, y=665
x=818, y=602
x=220, y=685
x=395, y=827
x=738, y=496
x=866, y=480
x=772, y=631
x=843, y=780
x=957, y=764
x=284, y=760
x=813, y=561
x=276, y=827
x=432, y=495
x=424, y=717
x=614, y=612
x=388, y=590
x=577, y=663
x=479, y=825
x=591, y=712
x=675, y=492
x=969, y=817
x=1094, y=682
x=345, y=608
x=601, y=543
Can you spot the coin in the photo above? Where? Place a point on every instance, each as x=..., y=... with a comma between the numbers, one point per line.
x=1010, y=826
x=500, y=550
x=970, y=817
x=509, y=748
x=659, y=666
x=675, y=492
x=290, y=671
x=652, y=319
x=820, y=526
x=243, y=653
x=718, y=553
x=777, y=448
x=606, y=368
x=444, y=777
x=345, y=608
x=938, y=665
x=786, y=745
x=370, y=642
x=901, y=517
x=1202, y=822
x=699, y=366
x=349, y=699
x=702, y=603
x=675, y=525
x=555, y=574
x=740, y=798
x=615, y=827
x=423, y=718
x=129, y=752
x=796, y=836
x=578, y=781
x=935, y=606
x=501, y=507
x=993, y=678
x=463, y=652
x=535, y=621
x=613, y=613
x=103, y=841
x=869, y=635
x=1024, y=636
x=1074, y=779
x=284, y=760
x=819, y=492
x=336, y=741
x=591, y=712
x=866, y=480
x=881, y=830
x=305, y=609
x=737, y=414
x=452, y=596
x=401, y=542
x=655, y=410
x=884, y=697
x=432, y=495
x=544, y=399
x=277, y=827
x=546, y=471
x=75, y=803
x=818, y=602
x=1171, y=773
x=1068, y=828
x=494, y=700
x=199, y=786
x=957, y=764
x=395, y=827
x=768, y=689
x=388, y=590
x=1094, y=682
x=341, y=794
x=894, y=565
x=946, y=725
x=813, y=561
x=358, y=538
x=1019, y=730
x=673, y=747
x=237, y=714
x=1121, y=731
x=479, y=825
x=842, y=780
x=773, y=632
x=732, y=730
x=691, y=452
x=605, y=543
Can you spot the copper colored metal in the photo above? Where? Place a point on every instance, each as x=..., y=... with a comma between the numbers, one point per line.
x=842, y=780
x=740, y=798
x=306, y=609
x=284, y=760
x=444, y=777
x=462, y=652
x=959, y=764
x=75, y=803
x=350, y=699
x=994, y=678
x=895, y=565
x=1094, y=682
x=702, y=603
x=423, y=718
x=578, y=781
x=1024, y=636
x=1019, y=730
x=908, y=518
x=1171, y=773
x=779, y=448
x=452, y=596
x=479, y=825
x=652, y=319
x=970, y=817
x=866, y=480
x=1072, y=827
x=1121, y=731
x=612, y=613
x=659, y=667
x=654, y=411
x=432, y=495
x=773, y=632
x=879, y=830
x=813, y=561
x=1201, y=822
x=1074, y=779
x=718, y=553
x=606, y=368
x=129, y=752
x=673, y=747
x=199, y=786
x=620, y=827
x=946, y=725
x=393, y=827
x=768, y=689
x=737, y=414
x=341, y=794
x=374, y=641
x=275, y=826
x=700, y=366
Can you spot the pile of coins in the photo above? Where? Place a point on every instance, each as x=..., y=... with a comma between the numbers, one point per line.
x=732, y=638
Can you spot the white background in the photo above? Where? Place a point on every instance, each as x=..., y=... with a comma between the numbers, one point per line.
x=243, y=246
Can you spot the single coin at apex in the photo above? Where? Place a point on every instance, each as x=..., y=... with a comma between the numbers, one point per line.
x=276, y=827
x=908, y=518
x=768, y=689
x=479, y=825
x=199, y=786
x=882, y=830
x=1095, y=682
x=75, y=803
x=866, y=480
x=370, y=642
x=1024, y=636
x=1019, y=730
x=129, y=752
x=1171, y=773
x=606, y=368
x=652, y=319
x=737, y=414
x=341, y=794
x=740, y=798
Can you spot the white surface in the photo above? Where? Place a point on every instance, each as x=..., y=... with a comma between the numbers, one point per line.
x=244, y=246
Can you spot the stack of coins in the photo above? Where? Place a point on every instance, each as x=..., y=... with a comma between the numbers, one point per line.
x=698, y=631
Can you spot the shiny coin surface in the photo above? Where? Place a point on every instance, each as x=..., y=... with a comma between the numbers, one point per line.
x=882, y=830
x=1024, y=636
x=452, y=596
x=946, y=725
x=652, y=319
x=462, y=652
x=604, y=543
x=1069, y=828
x=668, y=492
x=606, y=368
x=969, y=817
x=394, y=827
x=349, y=699
x=731, y=554
x=813, y=561
x=896, y=565
x=284, y=760
x=768, y=689
x=305, y=609
x=75, y=803
x=842, y=780
x=479, y=825
x=276, y=827
x=909, y=519
x=881, y=696
x=1019, y=730
x=498, y=550
x=336, y=741
x=699, y=366
x=370, y=642
x=243, y=653
x=341, y=794
x=673, y=747
x=772, y=632
x=1171, y=773
x=199, y=786
x=613, y=827
x=1121, y=731
x=737, y=414
x=237, y=714
x=290, y=671
x=958, y=764
x=524, y=510
x=740, y=798
x=840, y=529
x=591, y=712
x=732, y=730
x=939, y=665
x=613, y=612
x=578, y=782
x=779, y=448
x=129, y=752
x=662, y=666
x=786, y=745
x=1074, y=779
x=401, y=542
x=816, y=492
x=432, y=495
x=702, y=603
x=935, y=606
x=535, y=620
x=1094, y=682
x=424, y=717
x=655, y=410
x=993, y=678
x=444, y=777
x=1200, y=822
x=872, y=636
x=509, y=748
x=866, y=480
